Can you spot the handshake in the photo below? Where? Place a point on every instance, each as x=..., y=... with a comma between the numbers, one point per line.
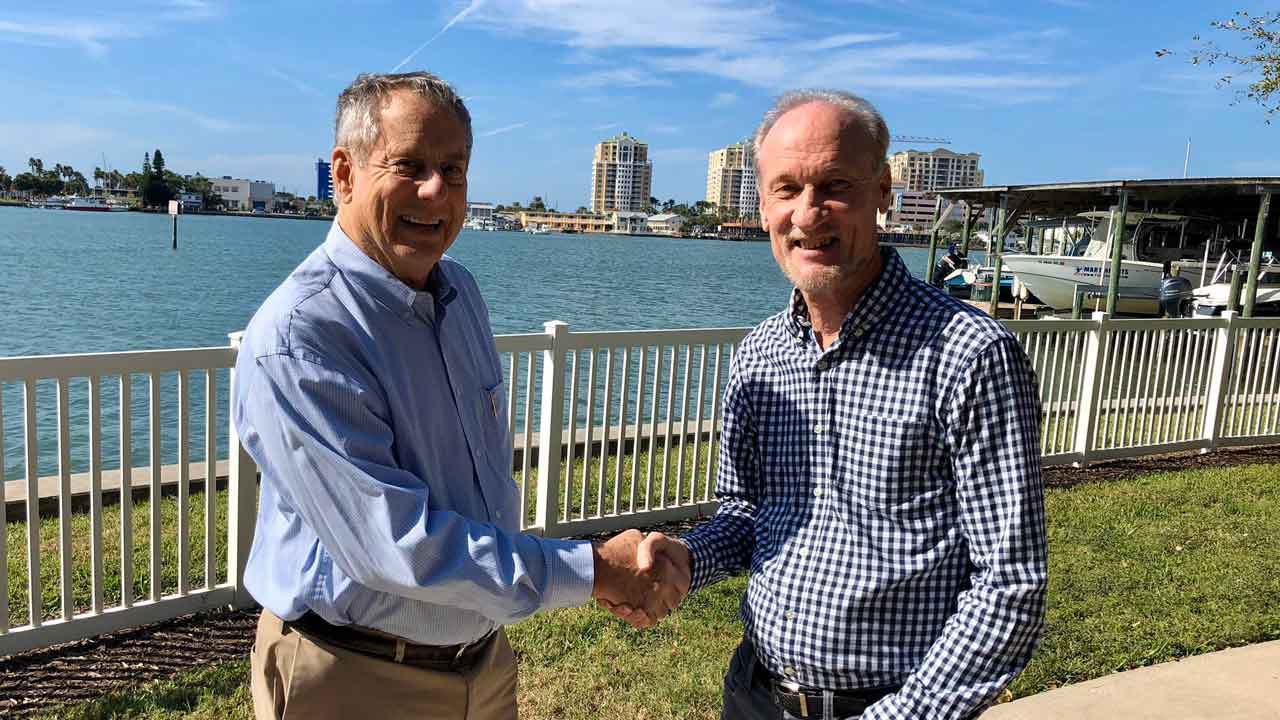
x=641, y=578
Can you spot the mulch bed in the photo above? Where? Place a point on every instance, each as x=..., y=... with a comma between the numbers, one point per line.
x=87, y=669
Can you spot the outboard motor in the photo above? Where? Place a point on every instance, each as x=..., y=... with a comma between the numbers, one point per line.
x=1175, y=297
x=949, y=263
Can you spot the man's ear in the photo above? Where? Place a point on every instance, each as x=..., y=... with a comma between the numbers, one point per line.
x=886, y=189
x=343, y=169
x=764, y=219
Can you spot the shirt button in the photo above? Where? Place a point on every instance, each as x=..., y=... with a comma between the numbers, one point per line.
x=791, y=615
x=857, y=332
x=789, y=671
x=817, y=492
x=822, y=364
x=819, y=429
x=804, y=551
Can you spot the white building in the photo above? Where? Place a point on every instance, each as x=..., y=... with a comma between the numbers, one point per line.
x=629, y=223
x=480, y=211
x=665, y=224
x=242, y=195
x=191, y=202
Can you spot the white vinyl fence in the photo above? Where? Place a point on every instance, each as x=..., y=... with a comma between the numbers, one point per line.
x=611, y=430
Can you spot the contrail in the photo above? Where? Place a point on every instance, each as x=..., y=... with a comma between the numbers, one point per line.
x=456, y=19
x=506, y=129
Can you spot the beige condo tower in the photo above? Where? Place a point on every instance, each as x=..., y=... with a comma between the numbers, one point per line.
x=621, y=176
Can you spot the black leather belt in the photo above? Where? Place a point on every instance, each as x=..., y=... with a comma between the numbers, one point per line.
x=805, y=702
x=431, y=657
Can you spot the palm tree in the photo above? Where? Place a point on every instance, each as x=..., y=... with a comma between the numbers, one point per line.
x=36, y=164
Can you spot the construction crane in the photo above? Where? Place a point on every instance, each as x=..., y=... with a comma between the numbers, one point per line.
x=919, y=140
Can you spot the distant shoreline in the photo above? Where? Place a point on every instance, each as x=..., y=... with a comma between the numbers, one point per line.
x=153, y=211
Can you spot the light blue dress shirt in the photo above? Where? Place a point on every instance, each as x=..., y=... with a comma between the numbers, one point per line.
x=376, y=414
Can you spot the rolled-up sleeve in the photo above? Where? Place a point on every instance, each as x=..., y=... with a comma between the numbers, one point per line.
x=323, y=438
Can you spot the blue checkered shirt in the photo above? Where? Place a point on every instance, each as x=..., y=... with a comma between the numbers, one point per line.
x=886, y=496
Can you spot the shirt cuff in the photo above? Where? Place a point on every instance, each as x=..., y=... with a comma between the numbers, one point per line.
x=571, y=573
x=702, y=558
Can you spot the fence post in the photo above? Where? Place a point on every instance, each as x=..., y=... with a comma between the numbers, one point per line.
x=1219, y=380
x=242, y=496
x=1091, y=382
x=550, y=429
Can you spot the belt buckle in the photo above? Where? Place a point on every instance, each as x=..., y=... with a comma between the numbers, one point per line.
x=792, y=686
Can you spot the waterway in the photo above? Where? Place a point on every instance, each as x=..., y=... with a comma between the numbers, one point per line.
x=98, y=282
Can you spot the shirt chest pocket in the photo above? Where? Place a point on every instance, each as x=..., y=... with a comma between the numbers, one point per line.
x=888, y=463
x=491, y=407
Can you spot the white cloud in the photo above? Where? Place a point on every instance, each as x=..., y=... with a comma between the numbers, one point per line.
x=91, y=36
x=130, y=105
x=618, y=77
x=596, y=24
x=759, y=44
x=666, y=129
x=94, y=34
x=724, y=99
x=50, y=140
x=846, y=39
x=607, y=126
x=504, y=129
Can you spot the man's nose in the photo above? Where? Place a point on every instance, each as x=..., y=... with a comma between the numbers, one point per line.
x=433, y=186
x=809, y=211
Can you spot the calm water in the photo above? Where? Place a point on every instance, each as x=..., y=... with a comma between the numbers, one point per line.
x=94, y=282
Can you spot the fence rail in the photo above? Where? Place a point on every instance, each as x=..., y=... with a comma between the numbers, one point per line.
x=610, y=430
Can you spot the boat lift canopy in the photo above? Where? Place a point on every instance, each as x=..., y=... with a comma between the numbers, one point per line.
x=1229, y=199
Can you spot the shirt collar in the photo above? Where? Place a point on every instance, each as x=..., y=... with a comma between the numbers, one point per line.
x=870, y=308
x=387, y=289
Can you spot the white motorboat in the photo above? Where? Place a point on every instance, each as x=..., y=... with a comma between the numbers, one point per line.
x=53, y=202
x=94, y=204
x=1154, y=240
x=537, y=230
x=1211, y=300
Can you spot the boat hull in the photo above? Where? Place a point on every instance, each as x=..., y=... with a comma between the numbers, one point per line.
x=1054, y=278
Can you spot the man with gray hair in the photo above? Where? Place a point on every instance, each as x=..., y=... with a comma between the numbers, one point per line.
x=879, y=462
x=387, y=553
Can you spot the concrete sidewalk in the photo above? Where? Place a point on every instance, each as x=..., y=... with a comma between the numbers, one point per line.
x=1237, y=684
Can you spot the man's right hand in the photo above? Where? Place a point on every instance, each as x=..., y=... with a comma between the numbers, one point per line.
x=637, y=578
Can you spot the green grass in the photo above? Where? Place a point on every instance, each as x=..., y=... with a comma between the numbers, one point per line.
x=1142, y=571
x=50, y=564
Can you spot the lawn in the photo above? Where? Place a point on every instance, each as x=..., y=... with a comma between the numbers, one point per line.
x=1142, y=571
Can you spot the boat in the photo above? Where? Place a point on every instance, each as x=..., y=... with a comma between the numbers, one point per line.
x=94, y=204
x=1155, y=245
x=537, y=230
x=53, y=202
x=1211, y=300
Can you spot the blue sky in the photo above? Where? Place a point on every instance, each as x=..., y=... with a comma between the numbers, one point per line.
x=1046, y=91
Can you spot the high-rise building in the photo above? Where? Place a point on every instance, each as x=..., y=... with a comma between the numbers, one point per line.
x=731, y=179
x=928, y=171
x=324, y=181
x=621, y=175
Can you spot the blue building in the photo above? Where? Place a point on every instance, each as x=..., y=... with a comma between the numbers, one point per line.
x=324, y=182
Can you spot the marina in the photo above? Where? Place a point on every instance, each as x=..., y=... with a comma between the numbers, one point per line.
x=1113, y=245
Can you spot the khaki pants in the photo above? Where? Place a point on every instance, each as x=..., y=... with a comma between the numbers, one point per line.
x=294, y=676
